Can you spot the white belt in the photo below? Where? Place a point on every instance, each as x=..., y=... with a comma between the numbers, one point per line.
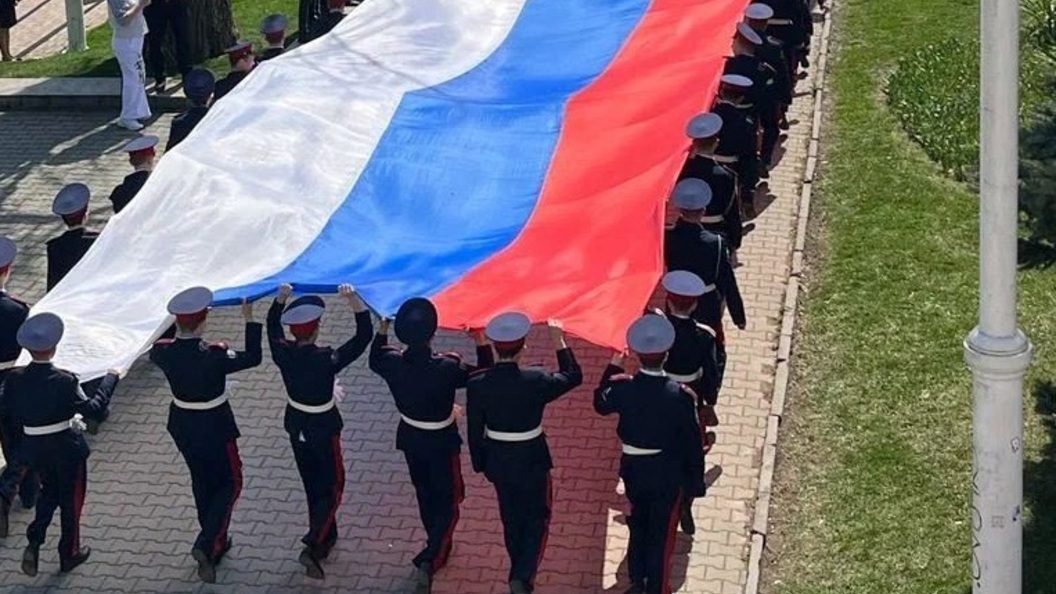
x=779, y=22
x=506, y=436
x=211, y=404
x=725, y=158
x=685, y=378
x=317, y=409
x=712, y=219
x=633, y=451
x=7, y=365
x=48, y=429
x=429, y=425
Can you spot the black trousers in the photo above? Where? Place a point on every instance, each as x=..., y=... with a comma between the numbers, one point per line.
x=309, y=13
x=652, y=523
x=62, y=487
x=216, y=481
x=322, y=469
x=161, y=16
x=770, y=123
x=524, y=503
x=438, y=485
x=17, y=478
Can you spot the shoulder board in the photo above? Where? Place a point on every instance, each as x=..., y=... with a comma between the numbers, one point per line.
x=164, y=342
x=706, y=328
x=219, y=345
x=454, y=356
x=479, y=372
x=621, y=377
x=392, y=348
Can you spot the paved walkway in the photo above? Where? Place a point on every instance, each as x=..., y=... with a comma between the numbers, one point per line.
x=41, y=28
x=139, y=517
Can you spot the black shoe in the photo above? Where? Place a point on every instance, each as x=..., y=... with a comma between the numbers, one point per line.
x=29, y=560
x=206, y=568
x=635, y=589
x=685, y=518
x=68, y=565
x=5, y=509
x=519, y=587
x=311, y=564
x=423, y=582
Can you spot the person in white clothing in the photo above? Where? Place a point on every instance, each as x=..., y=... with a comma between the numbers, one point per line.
x=130, y=27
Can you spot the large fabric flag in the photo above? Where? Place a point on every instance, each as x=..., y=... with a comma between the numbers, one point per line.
x=491, y=155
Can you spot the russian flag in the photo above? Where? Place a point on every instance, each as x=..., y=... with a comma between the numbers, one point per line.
x=490, y=155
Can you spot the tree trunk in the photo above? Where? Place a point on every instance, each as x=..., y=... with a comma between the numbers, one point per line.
x=212, y=30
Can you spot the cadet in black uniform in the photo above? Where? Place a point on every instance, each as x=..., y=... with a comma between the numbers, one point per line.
x=308, y=14
x=16, y=477
x=198, y=85
x=312, y=419
x=506, y=441
x=739, y=137
x=757, y=16
x=274, y=30
x=793, y=25
x=331, y=19
x=242, y=61
x=66, y=250
x=662, y=461
x=201, y=422
x=723, y=213
x=423, y=384
x=48, y=405
x=764, y=89
x=141, y=156
x=688, y=246
x=692, y=360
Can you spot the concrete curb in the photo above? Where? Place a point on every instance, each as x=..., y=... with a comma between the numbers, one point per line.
x=77, y=94
x=761, y=519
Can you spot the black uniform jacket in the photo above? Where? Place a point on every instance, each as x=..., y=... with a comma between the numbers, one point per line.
x=40, y=394
x=423, y=384
x=269, y=53
x=510, y=399
x=65, y=251
x=656, y=413
x=694, y=349
x=764, y=80
x=688, y=246
x=309, y=370
x=723, y=208
x=127, y=190
x=229, y=82
x=184, y=124
x=737, y=138
x=197, y=372
x=12, y=313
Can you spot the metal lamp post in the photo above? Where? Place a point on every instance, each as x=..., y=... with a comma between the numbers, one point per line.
x=997, y=352
x=75, y=30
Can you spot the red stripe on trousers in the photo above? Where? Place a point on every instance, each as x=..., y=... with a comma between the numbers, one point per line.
x=235, y=467
x=546, y=527
x=669, y=545
x=79, y=488
x=338, y=490
x=459, y=495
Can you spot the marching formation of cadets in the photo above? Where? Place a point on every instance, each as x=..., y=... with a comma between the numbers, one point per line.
x=666, y=409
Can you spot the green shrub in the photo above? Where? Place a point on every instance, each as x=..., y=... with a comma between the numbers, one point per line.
x=934, y=92
x=1037, y=196
x=1041, y=25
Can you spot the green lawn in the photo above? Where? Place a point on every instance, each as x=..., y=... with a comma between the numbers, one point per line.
x=98, y=60
x=875, y=460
